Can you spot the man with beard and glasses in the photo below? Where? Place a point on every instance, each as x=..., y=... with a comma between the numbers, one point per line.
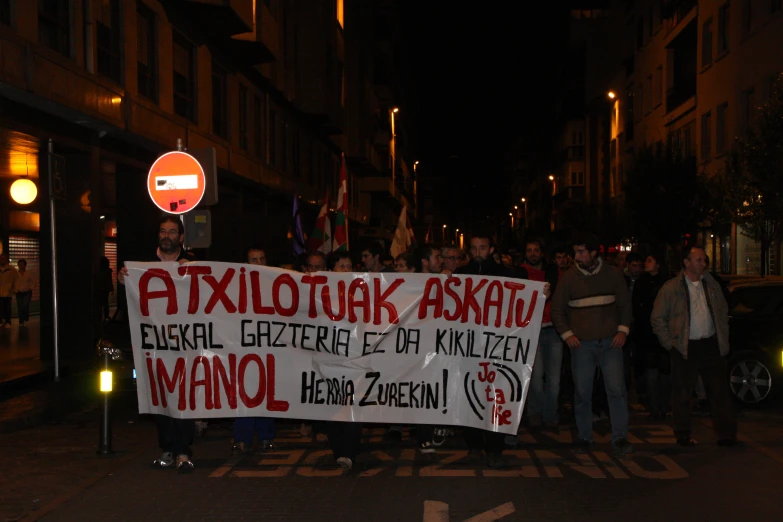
x=175, y=436
x=591, y=310
x=483, y=263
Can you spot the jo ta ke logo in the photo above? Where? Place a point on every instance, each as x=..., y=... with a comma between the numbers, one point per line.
x=490, y=395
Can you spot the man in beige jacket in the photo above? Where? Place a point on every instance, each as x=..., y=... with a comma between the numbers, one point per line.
x=690, y=318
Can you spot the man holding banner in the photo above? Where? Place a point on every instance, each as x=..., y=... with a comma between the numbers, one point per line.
x=217, y=340
x=175, y=435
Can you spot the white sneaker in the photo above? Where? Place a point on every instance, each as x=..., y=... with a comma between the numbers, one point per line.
x=345, y=463
x=426, y=448
x=184, y=464
x=166, y=460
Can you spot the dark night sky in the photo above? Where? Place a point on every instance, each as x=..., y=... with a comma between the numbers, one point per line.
x=486, y=72
x=481, y=75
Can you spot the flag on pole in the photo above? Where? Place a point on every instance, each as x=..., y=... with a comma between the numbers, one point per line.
x=403, y=236
x=296, y=230
x=321, y=238
x=428, y=237
x=341, y=219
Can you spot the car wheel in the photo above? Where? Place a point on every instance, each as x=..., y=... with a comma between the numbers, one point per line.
x=749, y=378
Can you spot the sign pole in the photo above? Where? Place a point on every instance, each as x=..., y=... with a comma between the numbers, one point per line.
x=52, y=221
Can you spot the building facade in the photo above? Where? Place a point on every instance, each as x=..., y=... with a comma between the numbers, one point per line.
x=681, y=74
x=268, y=94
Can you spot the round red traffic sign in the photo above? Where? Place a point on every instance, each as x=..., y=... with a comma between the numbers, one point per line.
x=176, y=182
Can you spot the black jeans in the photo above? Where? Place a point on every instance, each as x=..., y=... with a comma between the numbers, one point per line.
x=23, y=305
x=5, y=310
x=175, y=435
x=345, y=438
x=491, y=442
x=703, y=359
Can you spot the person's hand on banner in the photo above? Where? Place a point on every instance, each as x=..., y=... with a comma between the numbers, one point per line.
x=121, y=275
x=573, y=342
x=547, y=290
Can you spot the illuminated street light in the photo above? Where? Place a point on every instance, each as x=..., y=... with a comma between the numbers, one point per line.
x=24, y=191
x=611, y=95
x=516, y=207
x=523, y=200
x=551, y=178
x=395, y=110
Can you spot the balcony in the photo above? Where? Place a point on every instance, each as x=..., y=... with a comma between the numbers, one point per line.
x=226, y=17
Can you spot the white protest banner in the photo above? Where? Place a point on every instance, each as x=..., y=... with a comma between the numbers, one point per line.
x=230, y=340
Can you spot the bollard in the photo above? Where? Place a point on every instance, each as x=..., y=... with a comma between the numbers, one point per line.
x=108, y=353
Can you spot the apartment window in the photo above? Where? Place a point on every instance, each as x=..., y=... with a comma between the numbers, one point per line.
x=706, y=129
x=219, y=101
x=577, y=178
x=184, y=78
x=658, y=86
x=724, y=23
x=243, y=117
x=54, y=25
x=689, y=140
x=629, y=116
x=295, y=158
x=648, y=88
x=748, y=105
x=747, y=16
x=272, y=133
x=109, y=42
x=284, y=146
x=721, y=128
x=640, y=32
x=340, y=9
x=5, y=12
x=258, y=125
x=341, y=79
x=706, y=43
x=147, y=52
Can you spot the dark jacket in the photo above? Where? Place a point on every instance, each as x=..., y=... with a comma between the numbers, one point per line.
x=490, y=268
x=642, y=300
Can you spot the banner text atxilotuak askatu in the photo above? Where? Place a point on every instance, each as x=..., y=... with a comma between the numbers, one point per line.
x=230, y=340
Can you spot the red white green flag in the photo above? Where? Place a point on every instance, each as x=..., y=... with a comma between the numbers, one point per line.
x=321, y=238
x=341, y=219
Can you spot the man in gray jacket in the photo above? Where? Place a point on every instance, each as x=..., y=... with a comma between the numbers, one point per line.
x=690, y=318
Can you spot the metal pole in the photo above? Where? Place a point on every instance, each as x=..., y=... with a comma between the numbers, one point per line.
x=105, y=439
x=52, y=221
x=394, y=156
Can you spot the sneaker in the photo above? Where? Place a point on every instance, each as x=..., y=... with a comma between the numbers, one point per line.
x=305, y=430
x=621, y=447
x=166, y=460
x=582, y=447
x=267, y=446
x=184, y=464
x=345, y=463
x=511, y=440
x=495, y=461
x=201, y=428
x=426, y=448
x=438, y=436
x=238, y=448
x=321, y=437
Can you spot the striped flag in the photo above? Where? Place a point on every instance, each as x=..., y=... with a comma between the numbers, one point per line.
x=341, y=219
x=296, y=230
x=321, y=238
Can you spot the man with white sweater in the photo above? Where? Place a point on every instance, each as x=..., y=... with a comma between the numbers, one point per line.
x=591, y=310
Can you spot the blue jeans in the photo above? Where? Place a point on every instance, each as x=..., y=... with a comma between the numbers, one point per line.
x=545, y=380
x=245, y=426
x=583, y=362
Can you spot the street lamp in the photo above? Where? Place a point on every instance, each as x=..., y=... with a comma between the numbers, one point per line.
x=24, y=191
x=394, y=111
x=524, y=203
x=444, y=233
x=611, y=95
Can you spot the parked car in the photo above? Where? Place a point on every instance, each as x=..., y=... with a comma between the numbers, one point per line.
x=756, y=338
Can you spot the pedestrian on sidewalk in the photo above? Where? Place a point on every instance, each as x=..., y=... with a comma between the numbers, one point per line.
x=175, y=436
x=8, y=279
x=24, y=291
